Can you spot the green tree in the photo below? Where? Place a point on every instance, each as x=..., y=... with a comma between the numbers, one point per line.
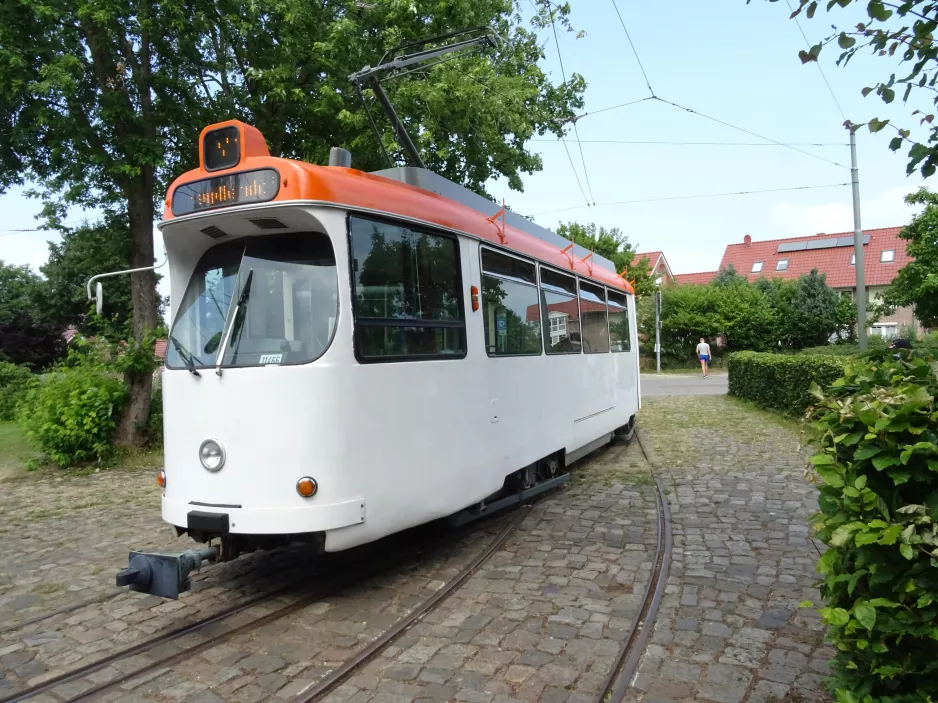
x=917, y=282
x=27, y=335
x=727, y=277
x=903, y=31
x=102, y=102
x=83, y=252
x=614, y=245
x=809, y=312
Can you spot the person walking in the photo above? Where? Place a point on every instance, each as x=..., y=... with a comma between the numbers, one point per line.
x=703, y=353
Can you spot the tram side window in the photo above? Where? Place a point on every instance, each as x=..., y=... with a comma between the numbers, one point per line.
x=560, y=313
x=593, y=318
x=619, y=333
x=511, y=314
x=406, y=288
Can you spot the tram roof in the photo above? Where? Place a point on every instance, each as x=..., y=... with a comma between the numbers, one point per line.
x=410, y=193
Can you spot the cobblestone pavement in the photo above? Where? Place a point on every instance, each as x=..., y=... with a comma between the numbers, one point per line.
x=730, y=628
x=542, y=621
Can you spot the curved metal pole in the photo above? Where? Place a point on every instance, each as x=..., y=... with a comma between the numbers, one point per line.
x=118, y=273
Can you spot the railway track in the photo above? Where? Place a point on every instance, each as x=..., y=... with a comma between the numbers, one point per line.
x=630, y=655
x=333, y=577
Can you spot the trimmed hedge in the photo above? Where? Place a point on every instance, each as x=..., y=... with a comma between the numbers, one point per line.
x=877, y=473
x=781, y=381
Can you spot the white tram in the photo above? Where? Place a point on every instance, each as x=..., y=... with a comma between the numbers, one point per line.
x=354, y=354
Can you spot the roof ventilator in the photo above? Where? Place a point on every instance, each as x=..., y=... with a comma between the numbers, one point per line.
x=267, y=223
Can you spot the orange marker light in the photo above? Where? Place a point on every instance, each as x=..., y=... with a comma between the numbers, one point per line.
x=161, y=479
x=474, y=292
x=307, y=487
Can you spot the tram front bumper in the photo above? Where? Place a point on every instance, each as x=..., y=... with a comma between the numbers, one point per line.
x=265, y=521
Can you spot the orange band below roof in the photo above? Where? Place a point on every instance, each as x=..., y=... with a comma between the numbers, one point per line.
x=358, y=190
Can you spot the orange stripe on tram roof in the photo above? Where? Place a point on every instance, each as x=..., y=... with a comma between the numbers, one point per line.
x=356, y=189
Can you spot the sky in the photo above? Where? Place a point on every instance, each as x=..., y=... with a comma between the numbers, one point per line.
x=734, y=62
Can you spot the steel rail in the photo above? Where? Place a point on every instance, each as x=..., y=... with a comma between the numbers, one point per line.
x=326, y=685
x=623, y=670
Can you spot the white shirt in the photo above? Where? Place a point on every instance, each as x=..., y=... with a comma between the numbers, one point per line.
x=703, y=349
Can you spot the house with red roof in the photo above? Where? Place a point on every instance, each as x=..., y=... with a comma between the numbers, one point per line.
x=658, y=267
x=831, y=254
x=694, y=279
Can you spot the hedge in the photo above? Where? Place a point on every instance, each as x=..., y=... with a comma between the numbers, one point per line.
x=877, y=473
x=14, y=380
x=781, y=381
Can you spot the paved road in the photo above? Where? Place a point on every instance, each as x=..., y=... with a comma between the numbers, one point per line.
x=682, y=384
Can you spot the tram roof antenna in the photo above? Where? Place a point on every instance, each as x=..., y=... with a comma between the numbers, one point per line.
x=394, y=60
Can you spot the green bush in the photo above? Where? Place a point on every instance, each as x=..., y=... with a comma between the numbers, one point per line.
x=14, y=380
x=71, y=413
x=781, y=381
x=878, y=435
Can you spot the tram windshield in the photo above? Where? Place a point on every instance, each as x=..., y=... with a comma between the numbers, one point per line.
x=287, y=316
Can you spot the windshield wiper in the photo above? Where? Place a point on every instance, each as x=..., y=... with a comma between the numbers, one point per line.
x=185, y=356
x=236, y=323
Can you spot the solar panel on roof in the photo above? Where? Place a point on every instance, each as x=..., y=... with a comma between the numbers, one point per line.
x=814, y=244
x=791, y=246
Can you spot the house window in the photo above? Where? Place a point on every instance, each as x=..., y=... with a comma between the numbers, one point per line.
x=782, y=265
x=886, y=330
x=887, y=256
x=558, y=326
x=756, y=267
x=853, y=259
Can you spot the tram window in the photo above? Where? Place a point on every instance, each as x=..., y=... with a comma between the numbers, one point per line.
x=407, y=292
x=595, y=327
x=511, y=315
x=619, y=333
x=560, y=313
x=291, y=309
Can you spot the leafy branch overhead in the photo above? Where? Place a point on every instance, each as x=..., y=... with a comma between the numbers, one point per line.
x=903, y=33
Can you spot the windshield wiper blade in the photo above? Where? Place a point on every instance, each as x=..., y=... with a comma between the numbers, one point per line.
x=236, y=323
x=186, y=356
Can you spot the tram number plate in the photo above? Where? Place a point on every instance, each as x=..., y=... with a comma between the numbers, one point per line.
x=271, y=358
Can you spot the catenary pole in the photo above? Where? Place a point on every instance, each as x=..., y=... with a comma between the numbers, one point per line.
x=658, y=328
x=858, y=240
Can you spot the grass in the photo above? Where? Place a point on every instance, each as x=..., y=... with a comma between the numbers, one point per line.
x=17, y=458
x=14, y=451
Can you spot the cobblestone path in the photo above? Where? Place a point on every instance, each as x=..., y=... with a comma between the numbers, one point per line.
x=729, y=628
x=542, y=621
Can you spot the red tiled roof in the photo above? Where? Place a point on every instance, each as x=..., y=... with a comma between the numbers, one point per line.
x=567, y=307
x=159, y=349
x=702, y=278
x=834, y=262
x=652, y=256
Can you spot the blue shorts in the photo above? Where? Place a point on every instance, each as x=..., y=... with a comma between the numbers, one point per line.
x=704, y=357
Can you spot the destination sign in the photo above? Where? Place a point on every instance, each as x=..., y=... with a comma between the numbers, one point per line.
x=223, y=191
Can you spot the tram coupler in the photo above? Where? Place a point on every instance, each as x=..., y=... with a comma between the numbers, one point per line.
x=164, y=575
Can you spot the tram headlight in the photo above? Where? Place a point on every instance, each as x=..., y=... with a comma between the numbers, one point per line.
x=212, y=455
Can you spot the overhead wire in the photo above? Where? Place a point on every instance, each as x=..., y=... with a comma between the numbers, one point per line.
x=634, y=50
x=576, y=132
x=690, y=197
x=817, y=63
x=677, y=143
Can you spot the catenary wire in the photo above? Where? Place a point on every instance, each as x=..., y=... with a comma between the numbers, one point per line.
x=817, y=63
x=674, y=143
x=698, y=196
x=747, y=131
x=576, y=132
x=634, y=51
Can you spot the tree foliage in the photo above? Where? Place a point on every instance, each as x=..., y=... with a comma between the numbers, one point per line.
x=28, y=335
x=734, y=315
x=877, y=474
x=614, y=245
x=102, y=102
x=904, y=33
x=917, y=282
